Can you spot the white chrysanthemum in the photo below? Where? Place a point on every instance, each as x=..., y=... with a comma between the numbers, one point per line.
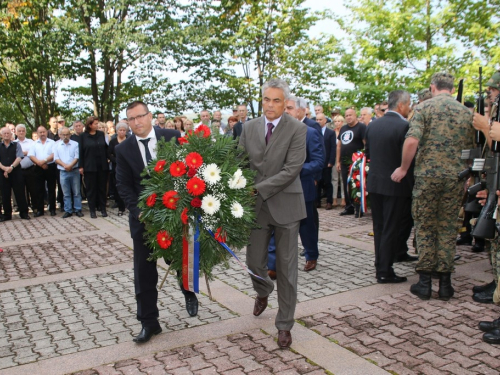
x=209, y=204
x=353, y=184
x=211, y=173
x=367, y=168
x=358, y=177
x=358, y=195
x=237, y=210
x=238, y=181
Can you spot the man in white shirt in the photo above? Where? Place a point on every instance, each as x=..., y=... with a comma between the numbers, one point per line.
x=27, y=166
x=42, y=155
x=66, y=154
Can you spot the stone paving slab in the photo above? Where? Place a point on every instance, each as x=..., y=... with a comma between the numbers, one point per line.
x=331, y=220
x=253, y=352
x=406, y=335
x=340, y=268
x=43, y=321
x=42, y=227
x=53, y=256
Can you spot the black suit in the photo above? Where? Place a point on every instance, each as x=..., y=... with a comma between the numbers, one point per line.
x=330, y=156
x=129, y=165
x=390, y=201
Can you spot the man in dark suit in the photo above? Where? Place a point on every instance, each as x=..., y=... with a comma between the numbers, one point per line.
x=276, y=144
x=132, y=155
x=389, y=200
x=242, y=117
x=330, y=153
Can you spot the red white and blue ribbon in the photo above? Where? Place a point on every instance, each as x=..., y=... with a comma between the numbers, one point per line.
x=359, y=162
x=191, y=260
x=223, y=244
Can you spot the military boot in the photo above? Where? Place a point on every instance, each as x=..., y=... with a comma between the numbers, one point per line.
x=446, y=291
x=423, y=289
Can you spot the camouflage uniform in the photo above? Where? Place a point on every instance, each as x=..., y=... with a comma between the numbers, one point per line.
x=443, y=127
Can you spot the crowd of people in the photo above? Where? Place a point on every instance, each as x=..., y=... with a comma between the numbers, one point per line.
x=414, y=153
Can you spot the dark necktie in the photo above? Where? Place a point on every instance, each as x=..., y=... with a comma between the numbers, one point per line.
x=148, y=154
x=270, y=127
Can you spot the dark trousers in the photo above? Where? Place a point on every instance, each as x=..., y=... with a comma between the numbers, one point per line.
x=145, y=281
x=48, y=176
x=386, y=215
x=14, y=182
x=345, y=173
x=30, y=182
x=405, y=225
x=60, y=195
x=95, y=182
x=112, y=184
x=308, y=232
x=325, y=183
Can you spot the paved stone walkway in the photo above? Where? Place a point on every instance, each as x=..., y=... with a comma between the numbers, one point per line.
x=67, y=306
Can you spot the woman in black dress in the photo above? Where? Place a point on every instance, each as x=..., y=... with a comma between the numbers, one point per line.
x=121, y=132
x=94, y=165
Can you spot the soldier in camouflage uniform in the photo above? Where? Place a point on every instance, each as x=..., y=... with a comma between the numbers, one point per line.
x=440, y=128
x=490, y=292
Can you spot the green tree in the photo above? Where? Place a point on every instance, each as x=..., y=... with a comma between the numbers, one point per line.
x=400, y=44
x=32, y=58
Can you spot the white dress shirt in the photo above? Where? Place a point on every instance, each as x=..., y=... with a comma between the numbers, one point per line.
x=66, y=152
x=42, y=151
x=26, y=145
x=151, y=145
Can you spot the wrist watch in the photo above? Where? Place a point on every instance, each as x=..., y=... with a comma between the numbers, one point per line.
x=12, y=166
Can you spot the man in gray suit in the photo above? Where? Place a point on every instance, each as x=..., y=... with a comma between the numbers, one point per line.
x=276, y=144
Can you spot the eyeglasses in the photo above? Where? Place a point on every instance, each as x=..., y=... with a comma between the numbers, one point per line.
x=130, y=119
x=383, y=109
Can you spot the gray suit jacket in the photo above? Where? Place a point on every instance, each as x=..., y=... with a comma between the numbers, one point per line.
x=278, y=165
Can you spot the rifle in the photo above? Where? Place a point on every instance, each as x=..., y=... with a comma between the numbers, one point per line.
x=477, y=156
x=486, y=225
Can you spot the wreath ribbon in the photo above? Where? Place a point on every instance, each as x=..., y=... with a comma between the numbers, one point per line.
x=359, y=162
x=191, y=259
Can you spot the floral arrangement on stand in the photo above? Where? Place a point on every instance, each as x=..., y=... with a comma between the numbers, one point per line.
x=198, y=197
x=357, y=181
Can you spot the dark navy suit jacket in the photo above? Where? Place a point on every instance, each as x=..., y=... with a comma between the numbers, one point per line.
x=330, y=147
x=129, y=166
x=313, y=164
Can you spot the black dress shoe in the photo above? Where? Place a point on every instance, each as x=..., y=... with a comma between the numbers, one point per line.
x=489, y=326
x=302, y=253
x=406, y=258
x=483, y=297
x=5, y=218
x=39, y=213
x=391, y=279
x=464, y=240
x=25, y=217
x=79, y=213
x=191, y=303
x=53, y=213
x=482, y=288
x=492, y=337
x=93, y=215
x=146, y=334
x=477, y=248
x=457, y=257
x=67, y=214
x=104, y=213
x=347, y=211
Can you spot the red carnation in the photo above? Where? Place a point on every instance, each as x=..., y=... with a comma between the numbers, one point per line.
x=150, y=202
x=195, y=186
x=160, y=166
x=177, y=168
x=164, y=240
x=194, y=160
x=170, y=199
x=182, y=140
x=184, y=216
x=203, y=130
x=196, y=202
x=220, y=235
x=192, y=172
x=358, y=184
